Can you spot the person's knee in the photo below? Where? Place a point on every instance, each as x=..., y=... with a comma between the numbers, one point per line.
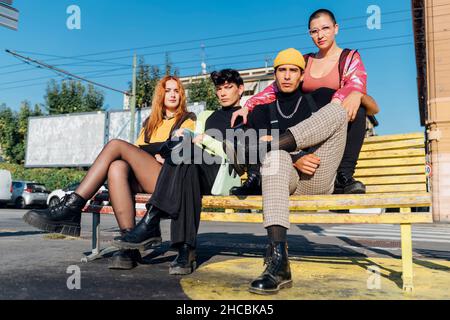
x=118, y=169
x=274, y=161
x=277, y=156
x=114, y=144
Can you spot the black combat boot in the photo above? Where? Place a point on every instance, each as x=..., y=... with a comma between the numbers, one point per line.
x=251, y=187
x=125, y=259
x=278, y=272
x=63, y=218
x=185, y=262
x=346, y=184
x=146, y=232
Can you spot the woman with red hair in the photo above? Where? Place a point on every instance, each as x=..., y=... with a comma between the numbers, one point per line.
x=129, y=169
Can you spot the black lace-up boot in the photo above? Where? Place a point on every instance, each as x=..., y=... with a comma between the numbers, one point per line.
x=346, y=184
x=147, y=232
x=251, y=187
x=278, y=272
x=185, y=262
x=63, y=218
x=125, y=259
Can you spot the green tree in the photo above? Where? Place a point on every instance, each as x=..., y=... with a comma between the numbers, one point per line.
x=9, y=136
x=72, y=96
x=93, y=100
x=13, y=130
x=147, y=78
x=204, y=91
x=38, y=110
x=169, y=65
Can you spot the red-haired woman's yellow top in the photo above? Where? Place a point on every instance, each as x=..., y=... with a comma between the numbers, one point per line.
x=162, y=133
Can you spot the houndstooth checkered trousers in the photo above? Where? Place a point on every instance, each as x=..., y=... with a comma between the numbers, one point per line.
x=325, y=132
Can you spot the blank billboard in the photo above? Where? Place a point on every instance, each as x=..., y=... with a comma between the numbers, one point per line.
x=65, y=141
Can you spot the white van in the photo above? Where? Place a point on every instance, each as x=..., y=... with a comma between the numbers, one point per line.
x=5, y=187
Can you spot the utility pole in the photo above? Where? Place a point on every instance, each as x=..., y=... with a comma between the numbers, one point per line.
x=203, y=64
x=133, y=101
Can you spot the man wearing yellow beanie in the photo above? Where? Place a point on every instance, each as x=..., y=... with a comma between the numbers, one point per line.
x=308, y=125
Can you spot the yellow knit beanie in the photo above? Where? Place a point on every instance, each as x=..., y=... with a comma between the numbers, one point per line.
x=290, y=56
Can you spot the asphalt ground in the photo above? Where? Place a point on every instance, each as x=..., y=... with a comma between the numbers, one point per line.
x=36, y=265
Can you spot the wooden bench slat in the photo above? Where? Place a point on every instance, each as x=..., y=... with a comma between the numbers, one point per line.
x=387, y=154
x=395, y=137
x=302, y=218
x=324, y=218
x=411, y=187
x=320, y=202
x=413, y=143
x=389, y=180
x=390, y=171
x=327, y=202
x=143, y=198
x=394, y=162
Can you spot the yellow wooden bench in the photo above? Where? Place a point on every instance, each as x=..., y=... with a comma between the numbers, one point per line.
x=393, y=168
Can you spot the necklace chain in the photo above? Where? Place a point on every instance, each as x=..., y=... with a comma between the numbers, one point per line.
x=295, y=110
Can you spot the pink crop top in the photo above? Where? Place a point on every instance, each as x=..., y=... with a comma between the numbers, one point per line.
x=331, y=80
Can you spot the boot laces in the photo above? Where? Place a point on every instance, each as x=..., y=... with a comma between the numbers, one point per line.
x=268, y=257
x=55, y=209
x=269, y=260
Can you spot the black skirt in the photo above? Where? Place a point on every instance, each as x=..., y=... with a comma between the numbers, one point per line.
x=179, y=192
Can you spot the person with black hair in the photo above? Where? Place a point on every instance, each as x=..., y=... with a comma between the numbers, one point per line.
x=181, y=184
x=343, y=71
x=305, y=123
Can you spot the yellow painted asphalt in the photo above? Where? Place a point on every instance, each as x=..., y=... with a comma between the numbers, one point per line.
x=322, y=278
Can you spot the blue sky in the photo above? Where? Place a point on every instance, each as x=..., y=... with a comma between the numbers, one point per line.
x=260, y=29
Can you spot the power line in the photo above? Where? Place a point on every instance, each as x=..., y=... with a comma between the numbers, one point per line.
x=230, y=64
x=60, y=71
x=225, y=36
x=239, y=34
x=216, y=45
x=108, y=60
x=194, y=40
x=47, y=77
x=219, y=37
x=195, y=48
x=240, y=42
x=228, y=57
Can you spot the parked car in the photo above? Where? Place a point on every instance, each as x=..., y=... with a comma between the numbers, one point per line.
x=5, y=187
x=56, y=196
x=26, y=193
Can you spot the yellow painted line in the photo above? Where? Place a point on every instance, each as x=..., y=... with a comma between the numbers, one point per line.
x=321, y=278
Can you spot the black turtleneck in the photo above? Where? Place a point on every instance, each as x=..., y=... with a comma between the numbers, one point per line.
x=221, y=119
x=260, y=117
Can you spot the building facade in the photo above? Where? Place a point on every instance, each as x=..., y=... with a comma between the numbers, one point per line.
x=432, y=30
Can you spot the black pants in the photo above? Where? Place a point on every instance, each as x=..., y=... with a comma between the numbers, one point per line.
x=179, y=192
x=355, y=139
